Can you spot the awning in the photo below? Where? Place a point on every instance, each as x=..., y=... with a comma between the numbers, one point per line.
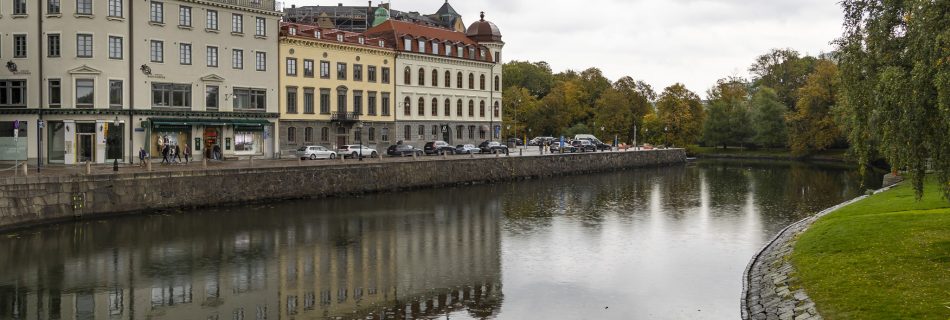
x=181, y=122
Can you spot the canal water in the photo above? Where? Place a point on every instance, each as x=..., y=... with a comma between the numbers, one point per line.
x=660, y=243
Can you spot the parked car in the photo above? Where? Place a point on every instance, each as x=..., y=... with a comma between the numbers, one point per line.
x=566, y=148
x=402, y=150
x=515, y=142
x=601, y=146
x=466, y=149
x=353, y=151
x=584, y=145
x=540, y=140
x=315, y=152
x=493, y=147
x=438, y=148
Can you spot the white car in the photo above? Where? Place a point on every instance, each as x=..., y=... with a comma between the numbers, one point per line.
x=353, y=151
x=467, y=149
x=315, y=152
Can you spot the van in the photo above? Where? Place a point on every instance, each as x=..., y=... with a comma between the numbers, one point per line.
x=585, y=137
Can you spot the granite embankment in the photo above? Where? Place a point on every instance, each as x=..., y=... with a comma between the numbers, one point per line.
x=36, y=200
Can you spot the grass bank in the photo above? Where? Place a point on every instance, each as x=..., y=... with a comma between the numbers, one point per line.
x=885, y=257
x=783, y=154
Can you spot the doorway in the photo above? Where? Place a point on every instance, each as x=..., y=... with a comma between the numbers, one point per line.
x=86, y=147
x=340, y=137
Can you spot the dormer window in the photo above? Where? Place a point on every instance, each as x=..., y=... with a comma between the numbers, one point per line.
x=435, y=48
x=317, y=34
x=482, y=54
x=460, y=51
x=363, y=40
x=407, y=44
x=422, y=46
x=382, y=44
x=339, y=37
x=448, y=49
x=293, y=31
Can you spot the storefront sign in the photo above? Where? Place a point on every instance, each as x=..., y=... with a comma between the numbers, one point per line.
x=227, y=143
x=197, y=144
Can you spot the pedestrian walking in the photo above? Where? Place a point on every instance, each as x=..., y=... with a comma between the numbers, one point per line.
x=142, y=156
x=541, y=147
x=187, y=153
x=165, y=154
x=171, y=155
x=178, y=153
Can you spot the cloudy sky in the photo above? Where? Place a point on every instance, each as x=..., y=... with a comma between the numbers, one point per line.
x=662, y=42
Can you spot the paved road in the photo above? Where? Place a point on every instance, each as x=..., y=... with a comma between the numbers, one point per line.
x=68, y=170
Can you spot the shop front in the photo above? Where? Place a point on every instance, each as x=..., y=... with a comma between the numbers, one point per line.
x=213, y=139
x=80, y=141
x=13, y=140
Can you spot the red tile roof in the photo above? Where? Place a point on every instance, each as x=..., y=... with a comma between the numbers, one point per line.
x=396, y=31
x=305, y=31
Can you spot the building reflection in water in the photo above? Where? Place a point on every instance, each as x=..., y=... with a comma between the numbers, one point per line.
x=410, y=255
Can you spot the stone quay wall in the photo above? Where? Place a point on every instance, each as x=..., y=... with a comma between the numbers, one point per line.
x=29, y=201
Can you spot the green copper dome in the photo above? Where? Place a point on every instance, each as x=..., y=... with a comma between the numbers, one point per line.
x=381, y=16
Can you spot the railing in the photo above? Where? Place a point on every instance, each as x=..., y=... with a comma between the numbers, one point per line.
x=270, y=5
x=345, y=117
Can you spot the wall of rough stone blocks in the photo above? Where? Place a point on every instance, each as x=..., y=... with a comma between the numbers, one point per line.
x=28, y=201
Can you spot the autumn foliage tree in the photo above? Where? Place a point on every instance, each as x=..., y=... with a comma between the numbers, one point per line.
x=812, y=126
x=680, y=111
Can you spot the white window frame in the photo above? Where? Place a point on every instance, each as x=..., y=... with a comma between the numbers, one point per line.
x=156, y=51
x=211, y=20
x=237, y=58
x=76, y=93
x=84, y=7
x=260, y=61
x=80, y=45
x=212, y=56
x=237, y=23
x=156, y=12
x=422, y=46
x=184, y=53
x=184, y=16
x=54, y=48
x=260, y=27
x=115, y=8
x=116, y=49
x=20, y=50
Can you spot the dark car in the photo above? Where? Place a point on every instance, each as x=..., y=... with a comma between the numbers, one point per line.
x=402, y=150
x=601, y=146
x=584, y=145
x=493, y=147
x=515, y=142
x=438, y=148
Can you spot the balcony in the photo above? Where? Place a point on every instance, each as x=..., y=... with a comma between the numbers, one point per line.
x=345, y=117
x=269, y=5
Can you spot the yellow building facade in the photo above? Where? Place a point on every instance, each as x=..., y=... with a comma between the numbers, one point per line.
x=337, y=88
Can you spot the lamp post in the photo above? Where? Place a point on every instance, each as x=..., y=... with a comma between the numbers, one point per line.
x=359, y=134
x=508, y=128
x=666, y=137
x=115, y=163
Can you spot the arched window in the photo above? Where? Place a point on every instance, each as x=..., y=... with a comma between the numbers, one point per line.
x=308, y=134
x=435, y=129
x=407, y=76
x=458, y=108
x=422, y=107
x=407, y=107
x=458, y=81
x=471, y=81
x=324, y=134
x=497, y=110
x=448, y=78
x=448, y=108
x=291, y=134
x=341, y=99
x=481, y=109
x=435, y=77
x=481, y=82
x=422, y=77
x=471, y=108
x=497, y=83
x=435, y=107
x=422, y=131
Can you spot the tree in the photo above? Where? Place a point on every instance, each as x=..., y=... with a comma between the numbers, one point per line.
x=536, y=77
x=561, y=108
x=520, y=109
x=681, y=113
x=727, y=120
x=768, y=119
x=895, y=83
x=614, y=113
x=783, y=70
x=812, y=125
x=640, y=97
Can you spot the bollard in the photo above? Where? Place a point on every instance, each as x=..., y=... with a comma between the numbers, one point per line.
x=250, y=161
x=471, y=155
x=520, y=152
x=26, y=172
x=148, y=164
x=414, y=156
x=204, y=163
x=88, y=167
x=299, y=161
x=342, y=158
x=443, y=155
x=497, y=154
x=380, y=156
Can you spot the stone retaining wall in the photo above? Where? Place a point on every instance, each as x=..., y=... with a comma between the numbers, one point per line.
x=35, y=200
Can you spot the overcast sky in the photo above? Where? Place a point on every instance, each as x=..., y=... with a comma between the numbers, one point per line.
x=662, y=42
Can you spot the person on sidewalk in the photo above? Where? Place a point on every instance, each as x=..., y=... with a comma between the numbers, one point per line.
x=142, y=155
x=187, y=152
x=165, y=154
x=178, y=154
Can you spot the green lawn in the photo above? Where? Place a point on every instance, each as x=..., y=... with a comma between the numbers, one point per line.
x=886, y=257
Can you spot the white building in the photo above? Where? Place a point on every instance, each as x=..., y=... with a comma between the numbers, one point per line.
x=448, y=83
x=108, y=77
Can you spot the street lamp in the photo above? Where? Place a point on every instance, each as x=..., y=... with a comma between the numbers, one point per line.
x=666, y=136
x=115, y=163
x=359, y=134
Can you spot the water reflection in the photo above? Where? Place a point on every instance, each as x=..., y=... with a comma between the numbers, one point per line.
x=660, y=243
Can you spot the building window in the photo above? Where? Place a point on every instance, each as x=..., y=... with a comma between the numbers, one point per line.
x=340, y=71
x=115, y=94
x=84, y=45
x=260, y=27
x=237, y=23
x=308, y=100
x=212, y=57
x=371, y=73
x=407, y=107
x=184, y=16
x=184, y=53
x=291, y=134
x=291, y=67
x=291, y=100
x=171, y=95
x=471, y=132
x=19, y=46
x=407, y=76
x=115, y=47
x=115, y=8
x=421, y=131
x=212, y=20
x=407, y=132
x=481, y=133
x=497, y=110
x=448, y=50
x=407, y=43
x=261, y=61
x=384, y=104
x=55, y=93
x=308, y=134
x=435, y=47
x=422, y=46
x=481, y=82
x=341, y=99
x=497, y=83
x=458, y=108
x=422, y=77
x=324, y=134
x=471, y=108
x=13, y=93
x=435, y=107
x=308, y=68
x=157, y=12
x=85, y=93
x=157, y=51
x=448, y=79
x=385, y=74
x=448, y=108
x=325, y=69
x=357, y=72
x=481, y=109
x=211, y=97
x=250, y=99
x=459, y=51
x=372, y=134
x=53, y=45
x=435, y=130
x=371, y=103
x=458, y=80
x=471, y=53
x=422, y=107
x=324, y=101
x=52, y=6
x=84, y=7
x=458, y=132
x=384, y=134
x=237, y=59
x=435, y=78
x=471, y=81
x=358, y=102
